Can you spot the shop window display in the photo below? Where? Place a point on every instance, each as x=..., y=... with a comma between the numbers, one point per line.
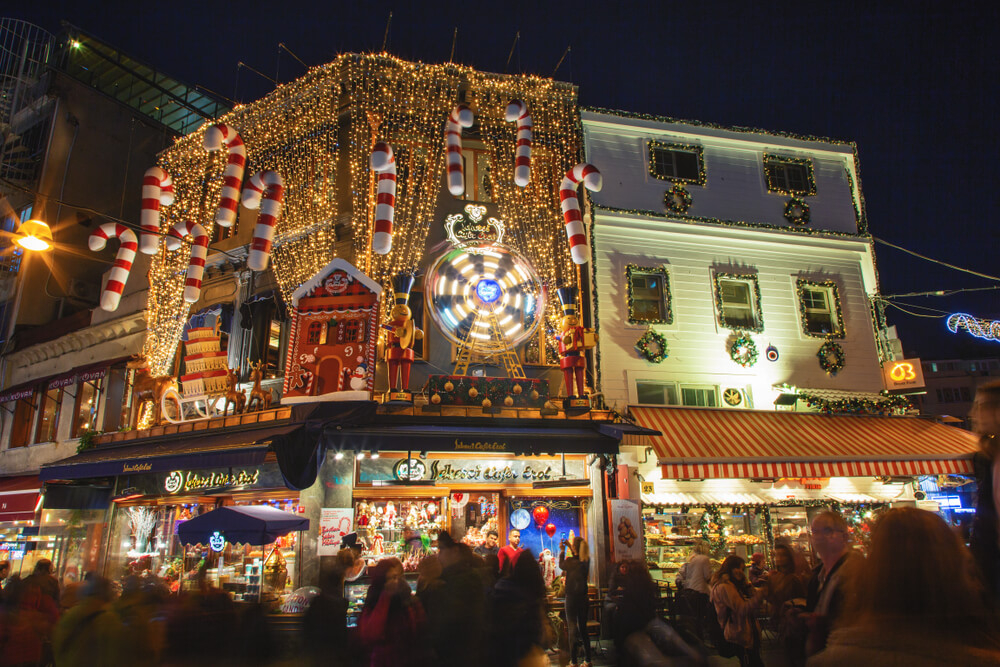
x=403, y=528
x=78, y=538
x=472, y=515
x=543, y=523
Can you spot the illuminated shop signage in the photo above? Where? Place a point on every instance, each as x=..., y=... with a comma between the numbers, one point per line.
x=903, y=374
x=479, y=446
x=179, y=480
x=513, y=471
x=217, y=542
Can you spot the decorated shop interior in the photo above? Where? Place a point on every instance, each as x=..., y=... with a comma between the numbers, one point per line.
x=742, y=480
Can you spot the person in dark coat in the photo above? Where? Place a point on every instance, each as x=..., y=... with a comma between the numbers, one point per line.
x=392, y=625
x=324, y=625
x=985, y=539
x=455, y=605
x=517, y=615
x=574, y=561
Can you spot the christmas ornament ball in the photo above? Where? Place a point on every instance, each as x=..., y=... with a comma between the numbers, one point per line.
x=487, y=403
x=449, y=386
x=436, y=399
x=534, y=395
x=509, y=401
x=473, y=392
x=517, y=389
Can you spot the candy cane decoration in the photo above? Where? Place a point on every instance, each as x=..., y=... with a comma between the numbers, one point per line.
x=112, y=293
x=157, y=190
x=266, y=185
x=518, y=111
x=579, y=247
x=384, y=164
x=461, y=116
x=199, y=251
x=216, y=137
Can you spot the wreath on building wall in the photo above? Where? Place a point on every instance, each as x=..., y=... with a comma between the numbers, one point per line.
x=677, y=199
x=744, y=351
x=652, y=346
x=797, y=211
x=831, y=357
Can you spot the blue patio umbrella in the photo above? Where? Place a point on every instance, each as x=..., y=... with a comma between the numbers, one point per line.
x=251, y=524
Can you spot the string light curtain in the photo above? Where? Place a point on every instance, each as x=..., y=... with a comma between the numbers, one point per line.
x=318, y=133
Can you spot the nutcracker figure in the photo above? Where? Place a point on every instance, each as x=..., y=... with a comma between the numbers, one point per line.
x=574, y=340
x=402, y=334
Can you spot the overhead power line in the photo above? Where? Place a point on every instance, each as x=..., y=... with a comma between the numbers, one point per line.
x=937, y=261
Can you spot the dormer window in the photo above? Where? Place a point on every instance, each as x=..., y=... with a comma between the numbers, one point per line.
x=789, y=175
x=678, y=163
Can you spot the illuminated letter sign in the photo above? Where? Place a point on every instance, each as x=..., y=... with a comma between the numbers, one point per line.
x=903, y=374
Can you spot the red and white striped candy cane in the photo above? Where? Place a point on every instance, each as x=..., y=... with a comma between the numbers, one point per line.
x=266, y=185
x=579, y=247
x=113, y=289
x=384, y=164
x=216, y=137
x=157, y=190
x=461, y=116
x=199, y=251
x=518, y=111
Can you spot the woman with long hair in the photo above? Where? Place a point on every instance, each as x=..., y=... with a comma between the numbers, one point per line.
x=916, y=600
x=392, y=620
x=735, y=602
x=574, y=561
x=518, y=623
x=985, y=416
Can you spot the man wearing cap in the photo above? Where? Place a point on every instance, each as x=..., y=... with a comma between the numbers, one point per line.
x=572, y=343
x=402, y=333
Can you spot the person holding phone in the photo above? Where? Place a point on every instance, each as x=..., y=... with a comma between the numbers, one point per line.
x=574, y=561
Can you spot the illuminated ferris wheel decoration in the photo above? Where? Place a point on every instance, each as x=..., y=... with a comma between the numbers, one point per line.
x=483, y=296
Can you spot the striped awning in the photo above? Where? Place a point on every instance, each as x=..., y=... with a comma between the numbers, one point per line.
x=700, y=443
x=19, y=497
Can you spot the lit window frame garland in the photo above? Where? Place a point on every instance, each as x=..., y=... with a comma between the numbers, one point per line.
x=803, y=218
x=800, y=285
x=670, y=199
x=888, y=405
x=667, y=295
x=773, y=188
x=698, y=150
x=758, y=308
x=748, y=358
x=644, y=344
x=830, y=349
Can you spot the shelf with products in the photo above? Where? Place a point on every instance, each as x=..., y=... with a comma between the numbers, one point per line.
x=404, y=528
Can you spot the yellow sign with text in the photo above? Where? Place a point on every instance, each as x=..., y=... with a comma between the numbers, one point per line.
x=904, y=374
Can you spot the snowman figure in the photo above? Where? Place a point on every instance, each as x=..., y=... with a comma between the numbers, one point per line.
x=359, y=379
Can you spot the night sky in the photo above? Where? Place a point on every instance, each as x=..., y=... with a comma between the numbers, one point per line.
x=912, y=83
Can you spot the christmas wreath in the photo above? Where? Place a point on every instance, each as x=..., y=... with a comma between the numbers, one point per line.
x=744, y=351
x=831, y=357
x=797, y=211
x=652, y=347
x=677, y=199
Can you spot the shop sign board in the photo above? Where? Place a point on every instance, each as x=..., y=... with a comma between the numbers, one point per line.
x=12, y=550
x=334, y=523
x=903, y=374
x=626, y=527
x=465, y=471
x=180, y=482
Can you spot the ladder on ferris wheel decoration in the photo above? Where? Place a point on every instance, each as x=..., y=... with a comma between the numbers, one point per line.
x=511, y=364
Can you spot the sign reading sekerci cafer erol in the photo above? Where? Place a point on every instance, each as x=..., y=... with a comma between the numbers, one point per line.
x=903, y=375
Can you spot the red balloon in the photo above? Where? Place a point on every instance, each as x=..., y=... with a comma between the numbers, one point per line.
x=541, y=514
x=550, y=529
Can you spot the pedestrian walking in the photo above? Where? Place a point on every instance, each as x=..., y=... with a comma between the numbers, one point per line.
x=392, y=624
x=917, y=602
x=736, y=603
x=518, y=629
x=574, y=561
x=985, y=538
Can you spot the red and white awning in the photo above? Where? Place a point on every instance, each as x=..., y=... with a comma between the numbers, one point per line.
x=19, y=497
x=700, y=443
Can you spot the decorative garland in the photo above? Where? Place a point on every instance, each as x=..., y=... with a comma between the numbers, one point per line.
x=667, y=297
x=749, y=277
x=800, y=285
x=712, y=516
x=831, y=357
x=685, y=148
x=472, y=391
x=775, y=160
x=744, y=351
x=677, y=199
x=797, y=211
x=647, y=342
x=887, y=405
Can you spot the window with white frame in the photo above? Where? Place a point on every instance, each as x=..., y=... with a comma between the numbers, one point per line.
x=819, y=307
x=699, y=396
x=738, y=301
x=788, y=175
x=656, y=393
x=676, y=162
x=648, y=295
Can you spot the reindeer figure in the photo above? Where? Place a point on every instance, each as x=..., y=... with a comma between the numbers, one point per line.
x=145, y=387
x=234, y=395
x=259, y=398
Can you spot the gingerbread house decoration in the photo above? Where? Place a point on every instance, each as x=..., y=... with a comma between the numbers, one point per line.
x=333, y=337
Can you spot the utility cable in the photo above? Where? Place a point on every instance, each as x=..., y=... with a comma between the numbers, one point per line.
x=936, y=261
x=909, y=312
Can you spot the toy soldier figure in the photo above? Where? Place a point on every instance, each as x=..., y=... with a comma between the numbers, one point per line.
x=573, y=341
x=402, y=334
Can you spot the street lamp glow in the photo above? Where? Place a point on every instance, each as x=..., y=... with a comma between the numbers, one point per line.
x=34, y=235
